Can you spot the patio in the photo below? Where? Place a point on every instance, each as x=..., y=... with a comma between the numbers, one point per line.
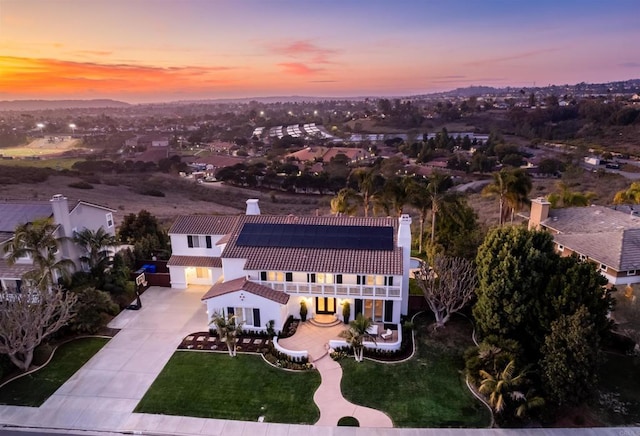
x=315, y=338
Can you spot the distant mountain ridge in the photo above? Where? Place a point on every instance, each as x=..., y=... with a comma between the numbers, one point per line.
x=34, y=105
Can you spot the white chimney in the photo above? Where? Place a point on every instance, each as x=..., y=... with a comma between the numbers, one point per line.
x=252, y=207
x=60, y=208
x=404, y=242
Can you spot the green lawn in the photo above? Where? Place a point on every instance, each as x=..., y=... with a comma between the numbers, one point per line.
x=618, y=398
x=53, y=163
x=212, y=385
x=35, y=388
x=428, y=390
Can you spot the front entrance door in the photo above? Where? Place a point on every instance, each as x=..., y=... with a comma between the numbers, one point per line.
x=325, y=305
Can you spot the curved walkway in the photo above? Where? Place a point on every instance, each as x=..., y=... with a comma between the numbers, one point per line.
x=328, y=397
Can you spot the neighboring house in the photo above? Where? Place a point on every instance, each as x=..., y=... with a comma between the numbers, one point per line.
x=312, y=154
x=260, y=268
x=608, y=237
x=69, y=218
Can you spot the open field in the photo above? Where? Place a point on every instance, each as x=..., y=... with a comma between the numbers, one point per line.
x=55, y=163
x=42, y=147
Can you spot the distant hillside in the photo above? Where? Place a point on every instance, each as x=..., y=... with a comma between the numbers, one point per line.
x=34, y=105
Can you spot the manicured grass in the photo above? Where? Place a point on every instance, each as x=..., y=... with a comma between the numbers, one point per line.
x=212, y=385
x=617, y=401
x=426, y=391
x=54, y=163
x=35, y=388
x=348, y=421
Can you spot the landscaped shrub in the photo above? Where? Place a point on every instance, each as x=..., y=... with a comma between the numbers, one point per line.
x=303, y=311
x=282, y=360
x=348, y=421
x=80, y=185
x=346, y=312
x=94, y=308
x=289, y=328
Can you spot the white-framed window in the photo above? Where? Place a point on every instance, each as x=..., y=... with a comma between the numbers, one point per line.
x=325, y=278
x=560, y=248
x=631, y=272
x=109, y=220
x=603, y=267
x=193, y=241
x=275, y=276
x=250, y=316
x=583, y=257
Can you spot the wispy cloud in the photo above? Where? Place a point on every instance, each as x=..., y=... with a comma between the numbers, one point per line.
x=93, y=52
x=43, y=77
x=323, y=81
x=631, y=64
x=511, y=57
x=308, y=57
x=299, y=68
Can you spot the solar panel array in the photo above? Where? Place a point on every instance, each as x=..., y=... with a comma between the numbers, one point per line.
x=316, y=236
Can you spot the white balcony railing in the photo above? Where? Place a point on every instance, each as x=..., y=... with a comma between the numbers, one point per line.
x=335, y=290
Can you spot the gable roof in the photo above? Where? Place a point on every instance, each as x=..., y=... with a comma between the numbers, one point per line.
x=243, y=284
x=203, y=225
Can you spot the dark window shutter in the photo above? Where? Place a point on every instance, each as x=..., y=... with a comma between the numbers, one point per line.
x=256, y=317
x=339, y=279
x=311, y=278
x=388, y=310
x=230, y=311
x=190, y=241
x=359, y=280
x=263, y=275
x=18, y=286
x=288, y=277
x=390, y=281
x=208, y=238
x=358, y=307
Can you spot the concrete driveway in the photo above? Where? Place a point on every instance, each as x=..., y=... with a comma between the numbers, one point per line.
x=104, y=392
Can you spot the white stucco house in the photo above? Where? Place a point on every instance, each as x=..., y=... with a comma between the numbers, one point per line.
x=261, y=268
x=70, y=217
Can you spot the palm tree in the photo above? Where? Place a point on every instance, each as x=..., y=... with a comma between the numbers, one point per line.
x=394, y=195
x=228, y=330
x=502, y=386
x=96, y=246
x=345, y=202
x=366, y=180
x=528, y=402
x=38, y=241
x=512, y=188
x=357, y=334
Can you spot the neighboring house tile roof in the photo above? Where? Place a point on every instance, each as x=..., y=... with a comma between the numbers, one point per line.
x=203, y=225
x=591, y=219
x=196, y=261
x=603, y=234
x=243, y=284
x=12, y=214
x=316, y=259
x=14, y=271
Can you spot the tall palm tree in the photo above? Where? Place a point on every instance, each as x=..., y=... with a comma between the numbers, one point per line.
x=512, y=188
x=502, y=386
x=229, y=329
x=357, y=334
x=38, y=241
x=394, y=195
x=96, y=246
x=366, y=180
x=345, y=202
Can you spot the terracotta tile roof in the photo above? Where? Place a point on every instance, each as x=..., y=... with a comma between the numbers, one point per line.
x=243, y=284
x=317, y=259
x=197, y=261
x=203, y=225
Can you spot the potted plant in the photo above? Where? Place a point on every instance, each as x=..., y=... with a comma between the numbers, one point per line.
x=346, y=312
x=303, y=311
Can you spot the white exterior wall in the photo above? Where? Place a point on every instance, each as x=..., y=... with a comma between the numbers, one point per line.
x=624, y=280
x=233, y=269
x=178, y=277
x=269, y=310
x=180, y=247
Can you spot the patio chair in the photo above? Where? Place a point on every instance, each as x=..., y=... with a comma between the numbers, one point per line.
x=386, y=335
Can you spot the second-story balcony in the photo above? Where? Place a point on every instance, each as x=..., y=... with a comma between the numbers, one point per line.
x=334, y=290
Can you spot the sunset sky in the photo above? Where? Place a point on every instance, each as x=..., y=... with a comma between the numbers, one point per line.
x=165, y=50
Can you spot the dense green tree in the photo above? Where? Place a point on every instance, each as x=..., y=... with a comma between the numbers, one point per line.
x=571, y=357
x=96, y=246
x=93, y=310
x=146, y=235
